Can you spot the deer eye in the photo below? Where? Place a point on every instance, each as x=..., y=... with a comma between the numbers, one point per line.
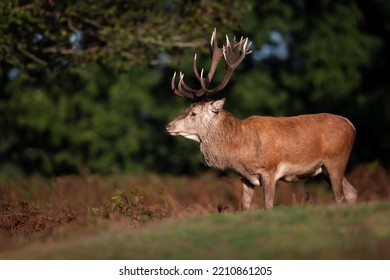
x=193, y=114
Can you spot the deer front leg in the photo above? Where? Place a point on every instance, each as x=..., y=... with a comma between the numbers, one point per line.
x=268, y=185
x=247, y=194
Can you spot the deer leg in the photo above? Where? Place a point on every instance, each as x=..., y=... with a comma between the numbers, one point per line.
x=268, y=185
x=350, y=193
x=247, y=194
x=334, y=178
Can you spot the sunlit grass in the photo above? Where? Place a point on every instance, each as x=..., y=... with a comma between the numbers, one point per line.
x=311, y=232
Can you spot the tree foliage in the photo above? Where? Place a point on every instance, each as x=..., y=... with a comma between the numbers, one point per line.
x=85, y=85
x=47, y=34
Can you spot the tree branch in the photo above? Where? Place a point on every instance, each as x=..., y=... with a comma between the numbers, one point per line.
x=32, y=57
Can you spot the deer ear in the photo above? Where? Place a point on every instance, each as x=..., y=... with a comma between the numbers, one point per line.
x=217, y=105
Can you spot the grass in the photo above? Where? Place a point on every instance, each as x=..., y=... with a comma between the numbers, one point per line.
x=166, y=217
x=309, y=232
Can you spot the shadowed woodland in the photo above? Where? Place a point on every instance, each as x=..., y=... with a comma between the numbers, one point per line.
x=86, y=86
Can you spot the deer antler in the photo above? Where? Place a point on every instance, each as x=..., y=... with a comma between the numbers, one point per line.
x=232, y=60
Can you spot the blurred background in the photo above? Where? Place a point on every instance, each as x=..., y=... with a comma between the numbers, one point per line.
x=85, y=85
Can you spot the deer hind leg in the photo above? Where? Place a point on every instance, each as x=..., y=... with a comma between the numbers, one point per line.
x=247, y=194
x=350, y=193
x=335, y=178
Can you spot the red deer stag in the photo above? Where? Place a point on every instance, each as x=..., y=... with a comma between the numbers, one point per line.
x=261, y=149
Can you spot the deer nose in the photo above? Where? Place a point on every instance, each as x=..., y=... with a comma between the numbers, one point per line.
x=168, y=127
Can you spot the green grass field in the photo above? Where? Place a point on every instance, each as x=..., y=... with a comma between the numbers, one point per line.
x=307, y=232
x=166, y=217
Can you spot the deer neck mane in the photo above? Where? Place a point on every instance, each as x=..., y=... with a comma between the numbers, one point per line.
x=220, y=140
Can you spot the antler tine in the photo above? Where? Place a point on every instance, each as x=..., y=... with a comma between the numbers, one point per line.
x=216, y=56
x=239, y=44
x=196, y=73
x=173, y=85
x=180, y=92
x=247, y=49
x=187, y=88
x=204, y=87
x=213, y=38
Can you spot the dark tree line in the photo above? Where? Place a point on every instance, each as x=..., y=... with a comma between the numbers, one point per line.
x=85, y=85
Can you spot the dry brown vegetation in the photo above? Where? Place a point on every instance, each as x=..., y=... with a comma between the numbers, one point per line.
x=43, y=209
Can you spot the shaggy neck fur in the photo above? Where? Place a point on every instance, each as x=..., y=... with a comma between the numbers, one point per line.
x=220, y=140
